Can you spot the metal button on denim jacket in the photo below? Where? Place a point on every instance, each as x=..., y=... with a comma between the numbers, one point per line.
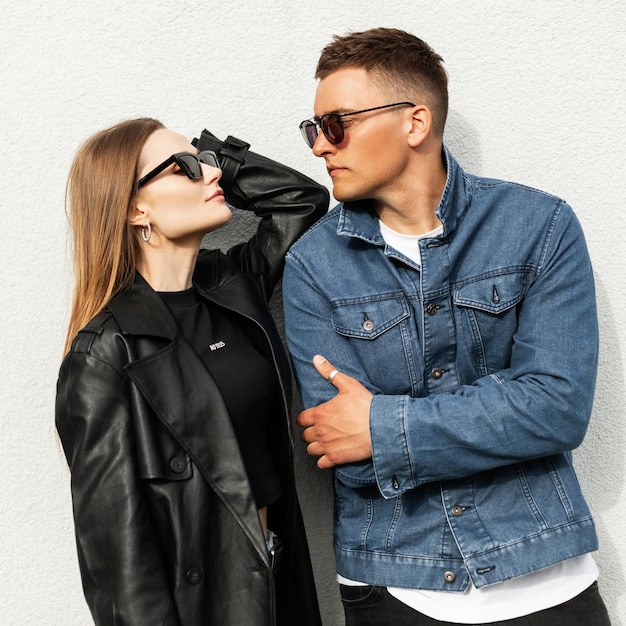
x=482, y=361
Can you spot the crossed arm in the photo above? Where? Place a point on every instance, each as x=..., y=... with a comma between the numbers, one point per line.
x=338, y=431
x=536, y=407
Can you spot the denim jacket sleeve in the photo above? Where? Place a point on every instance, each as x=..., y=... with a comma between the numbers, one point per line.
x=539, y=405
x=309, y=331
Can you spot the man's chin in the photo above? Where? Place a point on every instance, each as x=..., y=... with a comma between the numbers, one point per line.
x=346, y=195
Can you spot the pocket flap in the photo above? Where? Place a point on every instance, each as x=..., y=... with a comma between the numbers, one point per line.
x=494, y=294
x=369, y=319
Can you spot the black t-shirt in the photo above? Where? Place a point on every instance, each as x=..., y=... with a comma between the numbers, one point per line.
x=246, y=379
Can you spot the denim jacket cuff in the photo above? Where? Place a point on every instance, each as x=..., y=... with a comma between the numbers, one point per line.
x=390, y=450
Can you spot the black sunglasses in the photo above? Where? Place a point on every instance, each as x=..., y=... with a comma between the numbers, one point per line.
x=332, y=126
x=189, y=163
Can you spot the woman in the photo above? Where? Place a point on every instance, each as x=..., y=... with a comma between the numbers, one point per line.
x=173, y=398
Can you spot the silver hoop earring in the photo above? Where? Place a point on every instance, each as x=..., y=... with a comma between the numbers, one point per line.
x=145, y=237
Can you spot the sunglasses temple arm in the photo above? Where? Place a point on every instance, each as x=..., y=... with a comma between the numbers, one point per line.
x=156, y=171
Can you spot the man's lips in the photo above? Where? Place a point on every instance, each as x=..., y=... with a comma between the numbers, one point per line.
x=334, y=169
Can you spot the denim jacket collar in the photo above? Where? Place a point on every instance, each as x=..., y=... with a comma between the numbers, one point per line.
x=358, y=219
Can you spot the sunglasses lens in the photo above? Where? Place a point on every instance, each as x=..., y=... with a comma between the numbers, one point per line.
x=309, y=132
x=332, y=127
x=190, y=165
x=209, y=157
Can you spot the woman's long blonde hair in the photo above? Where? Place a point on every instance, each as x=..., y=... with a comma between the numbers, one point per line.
x=100, y=191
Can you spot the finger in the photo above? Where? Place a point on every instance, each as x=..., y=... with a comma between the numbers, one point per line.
x=325, y=368
x=315, y=449
x=324, y=462
x=305, y=419
x=308, y=435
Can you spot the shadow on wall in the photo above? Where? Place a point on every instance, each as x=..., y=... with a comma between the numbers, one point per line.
x=600, y=461
x=464, y=142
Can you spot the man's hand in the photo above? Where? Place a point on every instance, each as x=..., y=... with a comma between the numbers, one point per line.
x=338, y=430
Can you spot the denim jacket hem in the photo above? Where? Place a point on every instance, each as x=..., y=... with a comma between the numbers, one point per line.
x=446, y=574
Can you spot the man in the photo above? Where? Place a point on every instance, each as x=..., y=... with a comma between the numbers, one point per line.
x=457, y=318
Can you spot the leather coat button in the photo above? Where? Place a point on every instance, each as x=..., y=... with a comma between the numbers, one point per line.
x=194, y=575
x=178, y=464
x=437, y=373
x=457, y=510
x=449, y=577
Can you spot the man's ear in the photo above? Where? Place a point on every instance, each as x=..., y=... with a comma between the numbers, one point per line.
x=421, y=124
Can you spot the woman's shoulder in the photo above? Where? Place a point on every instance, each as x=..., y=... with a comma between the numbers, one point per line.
x=100, y=338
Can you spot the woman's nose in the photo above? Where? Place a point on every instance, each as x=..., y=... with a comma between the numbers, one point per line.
x=210, y=174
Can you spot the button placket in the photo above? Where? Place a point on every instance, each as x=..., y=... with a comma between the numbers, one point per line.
x=437, y=318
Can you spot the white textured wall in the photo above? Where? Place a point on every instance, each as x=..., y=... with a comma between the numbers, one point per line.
x=537, y=96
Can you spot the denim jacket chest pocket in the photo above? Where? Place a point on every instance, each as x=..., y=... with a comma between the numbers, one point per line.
x=487, y=310
x=379, y=338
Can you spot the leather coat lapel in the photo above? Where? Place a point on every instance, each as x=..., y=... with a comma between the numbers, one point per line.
x=173, y=380
x=186, y=399
x=140, y=311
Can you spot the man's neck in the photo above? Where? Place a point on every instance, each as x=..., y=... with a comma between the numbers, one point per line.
x=410, y=207
x=417, y=219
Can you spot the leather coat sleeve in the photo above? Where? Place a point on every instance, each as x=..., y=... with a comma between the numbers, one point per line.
x=123, y=575
x=287, y=202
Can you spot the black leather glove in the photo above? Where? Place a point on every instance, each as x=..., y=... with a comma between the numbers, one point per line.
x=253, y=182
x=231, y=154
x=287, y=202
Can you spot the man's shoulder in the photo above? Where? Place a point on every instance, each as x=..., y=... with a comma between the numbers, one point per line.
x=500, y=200
x=511, y=188
x=321, y=233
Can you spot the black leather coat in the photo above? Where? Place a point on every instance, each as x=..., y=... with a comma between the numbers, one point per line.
x=166, y=525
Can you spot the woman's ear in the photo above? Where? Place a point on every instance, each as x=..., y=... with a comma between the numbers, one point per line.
x=421, y=124
x=138, y=214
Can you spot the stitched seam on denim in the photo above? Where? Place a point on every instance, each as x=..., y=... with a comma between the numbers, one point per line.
x=560, y=489
x=530, y=500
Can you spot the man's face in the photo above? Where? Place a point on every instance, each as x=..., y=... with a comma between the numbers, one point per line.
x=372, y=157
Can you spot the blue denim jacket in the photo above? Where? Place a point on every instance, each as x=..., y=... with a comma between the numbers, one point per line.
x=482, y=363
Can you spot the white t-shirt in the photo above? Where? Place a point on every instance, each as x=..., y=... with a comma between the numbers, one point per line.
x=510, y=599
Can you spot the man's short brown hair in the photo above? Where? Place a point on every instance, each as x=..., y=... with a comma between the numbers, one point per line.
x=401, y=62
